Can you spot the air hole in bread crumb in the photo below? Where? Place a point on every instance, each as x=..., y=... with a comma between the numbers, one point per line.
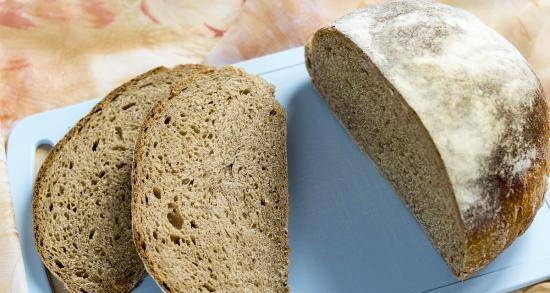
x=58, y=264
x=101, y=174
x=157, y=192
x=81, y=274
x=94, y=181
x=120, y=165
x=91, y=235
x=95, y=144
x=194, y=240
x=118, y=131
x=128, y=106
x=112, y=118
x=155, y=144
x=183, y=133
x=51, y=207
x=167, y=120
x=263, y=202
x=155, y=234
x=174, y=217
x=145, y=85
x=71, y=164
x=143, y=246
x=209, y=287
x=194, y=224
x=175, y=239
x=195, y=129
x=244, y=92
x=118, y=148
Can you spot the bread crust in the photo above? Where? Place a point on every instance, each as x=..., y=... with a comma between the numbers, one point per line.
x=520, y=199
x=55, y=152
x=514, y=198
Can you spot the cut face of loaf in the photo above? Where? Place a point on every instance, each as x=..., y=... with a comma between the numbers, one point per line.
x=81, y=204
x=449, y=111
x=210, y=199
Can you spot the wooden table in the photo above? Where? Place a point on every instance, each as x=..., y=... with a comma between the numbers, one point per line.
x=55, y=53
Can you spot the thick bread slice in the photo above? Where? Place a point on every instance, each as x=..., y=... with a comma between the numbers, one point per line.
x=210, y=199
x=81, y=204
x=450, y=112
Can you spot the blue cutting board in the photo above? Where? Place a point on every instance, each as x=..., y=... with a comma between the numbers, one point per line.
x=349, y=231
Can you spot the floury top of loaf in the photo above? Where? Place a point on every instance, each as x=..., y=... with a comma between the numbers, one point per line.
x=473, y=91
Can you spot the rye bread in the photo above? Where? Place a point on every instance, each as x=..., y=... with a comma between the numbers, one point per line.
x=210, y=199
x=450, y=112
x=82, y=194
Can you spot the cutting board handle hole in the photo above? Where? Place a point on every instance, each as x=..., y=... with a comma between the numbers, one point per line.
x=40, y=155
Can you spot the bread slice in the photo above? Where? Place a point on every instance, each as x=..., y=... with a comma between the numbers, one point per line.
x=210, y=199
x=450, y=112
x=81, y=204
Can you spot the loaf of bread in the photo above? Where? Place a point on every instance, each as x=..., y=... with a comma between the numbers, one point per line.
x=449, y=111
x=210, y=199
x=82, y=196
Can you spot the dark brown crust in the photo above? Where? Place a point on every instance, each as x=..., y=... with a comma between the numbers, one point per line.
x=487, y=239
x=525, y=196
x=54, y=153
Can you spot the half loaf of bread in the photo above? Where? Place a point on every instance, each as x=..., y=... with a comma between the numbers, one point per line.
x=210, y=199
x=82, y=195
x=450, y=112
